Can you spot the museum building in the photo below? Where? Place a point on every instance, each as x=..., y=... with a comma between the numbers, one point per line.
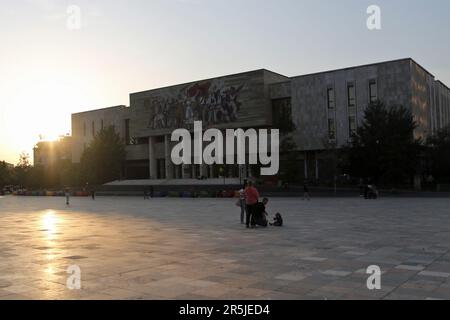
x=319, y=111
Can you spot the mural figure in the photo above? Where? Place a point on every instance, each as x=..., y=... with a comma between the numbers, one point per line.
x=210, y=101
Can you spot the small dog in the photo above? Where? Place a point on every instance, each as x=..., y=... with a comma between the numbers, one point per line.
x=277, y=221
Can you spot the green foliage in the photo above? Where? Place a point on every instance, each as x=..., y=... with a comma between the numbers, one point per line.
x=22, y=170
x=290, y=169
x=384, y=149
x=103, y=159
x=282, y=120
x=439, y=155
x=6, y=174
x=101, y=162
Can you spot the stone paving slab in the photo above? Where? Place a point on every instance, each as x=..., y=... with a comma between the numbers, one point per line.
x=129, y=248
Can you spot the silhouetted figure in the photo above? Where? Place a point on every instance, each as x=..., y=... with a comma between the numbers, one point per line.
x=277, y=221
x=67, y=194
x=306, y=191
x=251, y=200
x=260, y=214
x=361, y=188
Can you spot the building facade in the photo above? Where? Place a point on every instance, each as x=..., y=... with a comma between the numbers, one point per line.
x=48, y=153
x=325, y=109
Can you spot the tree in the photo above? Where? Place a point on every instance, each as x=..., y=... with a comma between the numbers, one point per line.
x=103, y=159
x=384, y=149
x=439, y=155
x=282, y=120
x=24, y=160
x=69, y=173
x=5, y=174
x=22, y=170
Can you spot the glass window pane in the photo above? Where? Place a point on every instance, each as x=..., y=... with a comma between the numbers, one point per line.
x=330, y=97
x=351, y=95
x=352, y=125
x=331, y=129
x=373, y=91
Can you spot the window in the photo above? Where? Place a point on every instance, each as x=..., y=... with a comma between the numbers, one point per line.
x=331, y=129
x=282, y=115
x=93, y=128
x=351, y=96
x=139, y=141
x=352, y=125
x=330, y=98
x=160, y=139
x=127, y=132
x=373, y=91
x=351, y=93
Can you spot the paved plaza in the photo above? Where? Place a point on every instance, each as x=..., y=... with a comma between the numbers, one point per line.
x=128, y=248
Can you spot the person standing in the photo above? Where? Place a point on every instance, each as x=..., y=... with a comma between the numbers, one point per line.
x=242, y=204
x=67, y=193
x=306, y=191
x=251, y=201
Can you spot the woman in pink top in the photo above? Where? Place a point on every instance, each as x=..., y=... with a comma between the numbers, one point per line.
x=251, y=200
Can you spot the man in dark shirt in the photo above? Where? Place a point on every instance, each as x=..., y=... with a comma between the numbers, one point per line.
x=306, y=191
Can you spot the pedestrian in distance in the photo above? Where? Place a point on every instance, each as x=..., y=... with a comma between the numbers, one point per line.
x=306, y=195
x=67, y=194
x=251, y=201
x=152, y=191
x=242, y=204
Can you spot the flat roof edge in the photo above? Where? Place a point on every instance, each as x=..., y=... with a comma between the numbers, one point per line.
x=443, y=84
x=206, y=79
x=363, y=66
x=100, y=109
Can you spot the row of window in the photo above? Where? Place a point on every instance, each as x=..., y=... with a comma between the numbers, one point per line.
x=351, y=94
x=128, y=139
x=92, y=128
x=351, y=107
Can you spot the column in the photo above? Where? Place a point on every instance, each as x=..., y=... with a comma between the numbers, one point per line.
x=317, y=168
x=152, y=158
x=183, y=171
x=193, y=171
x=170, y=174
x=204, y=170
x=306, y=166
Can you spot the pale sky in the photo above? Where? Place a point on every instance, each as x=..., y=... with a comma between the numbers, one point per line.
x=48, y=71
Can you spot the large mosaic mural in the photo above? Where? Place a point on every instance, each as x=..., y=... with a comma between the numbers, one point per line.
x=210, y=101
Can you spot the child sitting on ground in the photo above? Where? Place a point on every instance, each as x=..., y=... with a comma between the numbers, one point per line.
x=277, y=220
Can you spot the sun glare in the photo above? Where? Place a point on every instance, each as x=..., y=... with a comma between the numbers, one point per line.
x=41, y=112
x=50, y=223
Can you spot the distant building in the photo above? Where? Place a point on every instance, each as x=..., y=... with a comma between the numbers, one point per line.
x=48, y=153
x=7, y=165
x=326, y=108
